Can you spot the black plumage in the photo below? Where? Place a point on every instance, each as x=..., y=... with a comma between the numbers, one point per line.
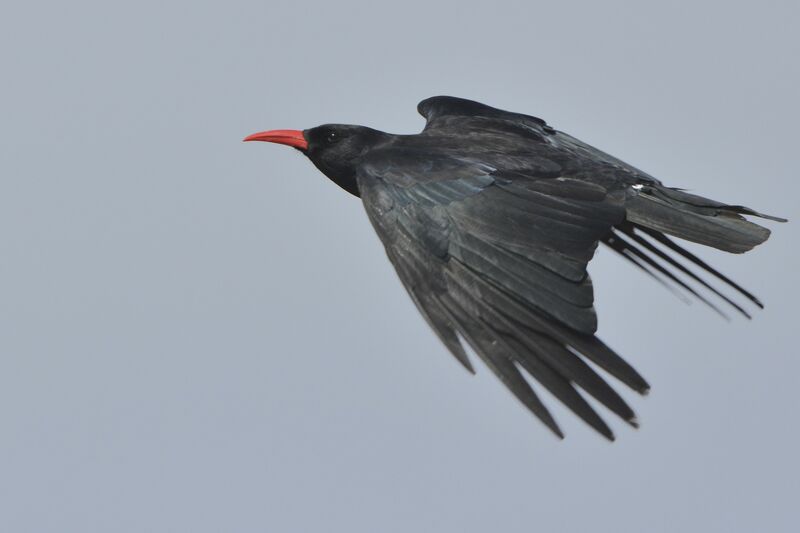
x=490, y=218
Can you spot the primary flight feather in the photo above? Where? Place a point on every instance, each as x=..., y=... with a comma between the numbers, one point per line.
x=490, y=218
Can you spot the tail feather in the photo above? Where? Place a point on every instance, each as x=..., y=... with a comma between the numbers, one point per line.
x=654, y=211
x=695, y=218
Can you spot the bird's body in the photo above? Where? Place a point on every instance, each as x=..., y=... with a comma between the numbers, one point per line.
x=490, y=218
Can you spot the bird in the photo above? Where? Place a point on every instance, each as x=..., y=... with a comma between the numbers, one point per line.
x=490, y=218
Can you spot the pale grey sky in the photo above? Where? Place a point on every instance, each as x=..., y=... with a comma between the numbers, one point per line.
x=203, y=335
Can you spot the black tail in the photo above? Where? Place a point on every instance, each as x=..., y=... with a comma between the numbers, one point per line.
x=653, y=210
x=694, y=218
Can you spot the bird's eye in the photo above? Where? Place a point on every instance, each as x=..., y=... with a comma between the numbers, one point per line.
x=332, y=137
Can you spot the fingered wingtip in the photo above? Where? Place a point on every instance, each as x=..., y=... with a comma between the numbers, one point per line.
x=554, y=429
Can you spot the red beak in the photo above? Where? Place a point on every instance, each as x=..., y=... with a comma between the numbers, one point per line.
x=288, y=137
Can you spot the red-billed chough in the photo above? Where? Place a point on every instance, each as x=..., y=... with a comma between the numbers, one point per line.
x=490, y=218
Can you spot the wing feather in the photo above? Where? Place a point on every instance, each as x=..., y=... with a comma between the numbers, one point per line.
x=501, y=263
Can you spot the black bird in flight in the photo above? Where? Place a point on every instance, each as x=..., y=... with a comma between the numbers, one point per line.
x=490, y=218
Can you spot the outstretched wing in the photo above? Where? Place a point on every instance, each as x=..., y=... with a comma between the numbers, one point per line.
x=532, y=148
x=499, y=260
x=563, y=151
x=490, y=218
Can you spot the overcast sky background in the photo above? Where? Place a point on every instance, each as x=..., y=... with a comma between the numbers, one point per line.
x=202, y=335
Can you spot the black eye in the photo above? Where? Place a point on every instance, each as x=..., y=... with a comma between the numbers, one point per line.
x=332, y=137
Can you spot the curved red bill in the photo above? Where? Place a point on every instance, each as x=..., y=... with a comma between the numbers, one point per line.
x=293, y=138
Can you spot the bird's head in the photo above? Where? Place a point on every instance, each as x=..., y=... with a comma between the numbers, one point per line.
x=335, y=149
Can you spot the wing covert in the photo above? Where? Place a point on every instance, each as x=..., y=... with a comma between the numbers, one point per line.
x=500, y=261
